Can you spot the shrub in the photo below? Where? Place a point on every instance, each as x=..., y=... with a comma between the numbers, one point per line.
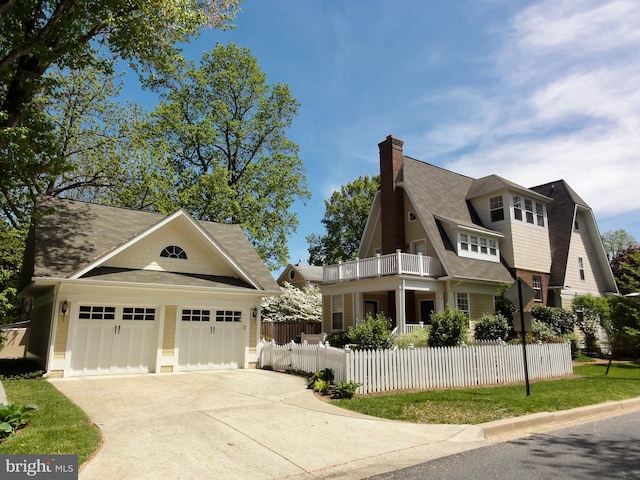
x=12, y=417
x=418, y=338
x=448, y=328
x=492, y=327
x=575, y=344
x=321, y=386
x=372, y=333
x=338, y=339
x=325, y=375
x=559, y=320
x=344, y=390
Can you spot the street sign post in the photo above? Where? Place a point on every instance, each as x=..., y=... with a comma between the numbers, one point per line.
x=520, y=293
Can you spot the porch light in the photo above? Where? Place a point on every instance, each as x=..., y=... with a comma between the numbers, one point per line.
x=65, y=307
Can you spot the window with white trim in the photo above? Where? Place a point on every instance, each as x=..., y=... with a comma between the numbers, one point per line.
x=173, y=251
x=97, y=312
x=138, y=313
x=228, y=316
x=419, y=247
x=337, y=312
x=475, y=246
x=412, y=217
x=527, y=210
x=462, y=303
x=196, y=315
x=536, y=284
x=581, y=268
x=496, y=208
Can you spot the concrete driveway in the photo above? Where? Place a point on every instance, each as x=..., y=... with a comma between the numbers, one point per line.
x=244, y=424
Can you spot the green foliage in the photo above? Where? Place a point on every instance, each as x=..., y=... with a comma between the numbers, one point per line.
x=344, y=390
x=448, y=328
x=559, y=320
x=419, y=338
x=575, y=344
x=623, y=326
x=12, y=417
x=625, y=265
x=325, y=375
x=321, y=386
x=503, y=305
x=338, y=339
x=221, y=128
x=372, y=332
x=344, y=220
x=491, y=327
x=617, y=240
x=294, y=305
x=590, y=312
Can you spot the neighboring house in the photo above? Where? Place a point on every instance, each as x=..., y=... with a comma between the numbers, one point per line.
x=116, y=290
x=435, y=238
x=301, y=276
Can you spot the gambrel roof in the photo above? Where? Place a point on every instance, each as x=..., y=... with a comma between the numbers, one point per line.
x=73, y=239
x=440, y=195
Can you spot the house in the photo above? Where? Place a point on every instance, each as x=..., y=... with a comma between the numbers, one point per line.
x=116, y=290
x=435, y=238
x=301, y=276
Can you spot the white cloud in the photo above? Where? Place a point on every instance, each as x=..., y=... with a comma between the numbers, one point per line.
x=567, y=104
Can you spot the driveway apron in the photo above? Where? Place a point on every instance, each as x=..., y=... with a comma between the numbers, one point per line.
x=244, y=424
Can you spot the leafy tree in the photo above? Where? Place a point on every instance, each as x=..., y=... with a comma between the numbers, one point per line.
x=345, y=218
x=625, y=266
x=623, y=326
x=222, y=131
x=559, y=320
x=448, y=328
x=71, y=35
x=615, y=241
x=12, y=241
x=294, y=305
x=372, y=332
x=590, y=313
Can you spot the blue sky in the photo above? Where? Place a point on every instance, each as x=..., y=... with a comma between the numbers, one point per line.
x=534, y=91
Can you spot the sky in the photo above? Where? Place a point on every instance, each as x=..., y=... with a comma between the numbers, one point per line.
x=533, y=91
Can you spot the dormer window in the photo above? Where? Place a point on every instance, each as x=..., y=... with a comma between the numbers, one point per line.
x=173, y=251
x=526, y=210
x=476, y=246
x=496, y=208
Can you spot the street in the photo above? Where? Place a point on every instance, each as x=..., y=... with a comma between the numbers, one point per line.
x=603, y=449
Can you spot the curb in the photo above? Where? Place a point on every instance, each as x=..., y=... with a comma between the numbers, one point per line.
x=545, y=419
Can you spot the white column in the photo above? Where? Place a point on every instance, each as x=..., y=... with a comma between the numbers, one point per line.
x=401, y=310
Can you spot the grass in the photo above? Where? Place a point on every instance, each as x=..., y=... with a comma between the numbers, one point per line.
x=479, y=405
x=58, y=426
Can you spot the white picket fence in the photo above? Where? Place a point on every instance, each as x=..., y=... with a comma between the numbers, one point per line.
x=422, y=368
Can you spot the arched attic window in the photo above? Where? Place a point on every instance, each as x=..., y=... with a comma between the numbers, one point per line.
x=173, y=251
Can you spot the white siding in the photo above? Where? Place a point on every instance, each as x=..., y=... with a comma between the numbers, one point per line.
x=582, y=247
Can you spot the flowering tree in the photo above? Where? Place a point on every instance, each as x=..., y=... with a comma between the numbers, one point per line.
x=294, y=305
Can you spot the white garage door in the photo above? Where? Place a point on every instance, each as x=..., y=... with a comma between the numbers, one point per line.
x=210, y=339
x=110, y=339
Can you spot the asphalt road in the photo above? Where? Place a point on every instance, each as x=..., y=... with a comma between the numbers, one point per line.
x=603, y=449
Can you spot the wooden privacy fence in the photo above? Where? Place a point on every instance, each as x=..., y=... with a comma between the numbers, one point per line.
x=422, y=368
x=284, y=332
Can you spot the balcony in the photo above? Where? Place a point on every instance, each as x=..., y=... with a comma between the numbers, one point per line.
x=392, y=264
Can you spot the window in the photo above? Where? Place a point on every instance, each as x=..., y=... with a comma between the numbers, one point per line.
x=419, y=247
x=173, y=251
x=581, y=268
x=138, y=313
x=536, y=283
x=540, y=214
x=292, y=274
x=496, y=208
x=517, y=207
x=336, y=313
x=462, y=303
x=473, y=246
x=576, y=225
x=95, y=312
x=196, y=315
x=412, y=216
x=228, y=316
x=528, y=206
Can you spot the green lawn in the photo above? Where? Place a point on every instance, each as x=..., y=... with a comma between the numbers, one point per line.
x=479, y=405
x=58, y=426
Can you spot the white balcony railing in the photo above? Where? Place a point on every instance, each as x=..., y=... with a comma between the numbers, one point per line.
x=380, y=265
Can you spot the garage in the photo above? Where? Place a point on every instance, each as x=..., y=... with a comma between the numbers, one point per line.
x=110, y=339
x=210, y=339
x=122, y=291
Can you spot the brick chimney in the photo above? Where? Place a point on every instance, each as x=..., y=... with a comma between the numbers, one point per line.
x=392, y=196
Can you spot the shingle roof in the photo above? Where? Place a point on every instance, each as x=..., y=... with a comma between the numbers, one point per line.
x=73, y=234
x=310, y=272
x=437, y=192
